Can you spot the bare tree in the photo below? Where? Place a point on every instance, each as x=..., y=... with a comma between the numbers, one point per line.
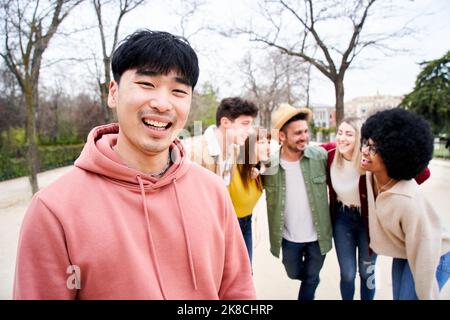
x=276, y=79
x=28, y=27
x=186, y=10
x=48, y=118
x=125, y=6
x=310, y=19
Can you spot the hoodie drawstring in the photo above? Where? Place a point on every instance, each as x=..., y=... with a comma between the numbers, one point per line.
x=185, y=232
x=186, y=236
x=152, y=245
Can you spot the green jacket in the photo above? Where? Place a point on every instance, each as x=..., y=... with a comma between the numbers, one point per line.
x=313, y=165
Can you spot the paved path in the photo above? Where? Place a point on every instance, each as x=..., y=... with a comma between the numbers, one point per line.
x=270, y=278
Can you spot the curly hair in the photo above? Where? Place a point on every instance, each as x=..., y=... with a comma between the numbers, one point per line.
x=403, y=140
x=234, y=107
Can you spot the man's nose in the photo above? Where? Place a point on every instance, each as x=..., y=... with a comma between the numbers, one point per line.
x=365, y=150
x=160, y=100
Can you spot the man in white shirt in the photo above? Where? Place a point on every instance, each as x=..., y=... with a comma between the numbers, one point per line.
x=296, y=197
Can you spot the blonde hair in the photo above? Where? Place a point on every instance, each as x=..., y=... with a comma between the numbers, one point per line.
x=338, y=160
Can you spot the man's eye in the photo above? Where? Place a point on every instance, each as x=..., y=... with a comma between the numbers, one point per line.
x=180, y=91
x=146, y=84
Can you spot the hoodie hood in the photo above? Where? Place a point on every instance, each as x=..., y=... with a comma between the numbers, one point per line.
x=99, y=157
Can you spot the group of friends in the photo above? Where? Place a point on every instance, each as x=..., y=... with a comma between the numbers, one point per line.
x=144, y=215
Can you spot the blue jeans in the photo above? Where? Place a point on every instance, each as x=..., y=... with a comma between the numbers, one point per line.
x=246, y=228
x=303, y=261
x=350, y=236
x=403, y=287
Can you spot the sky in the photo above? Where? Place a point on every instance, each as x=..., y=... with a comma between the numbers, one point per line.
x=219, y=57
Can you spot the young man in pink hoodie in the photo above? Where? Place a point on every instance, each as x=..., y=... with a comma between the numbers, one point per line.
x=134, y=218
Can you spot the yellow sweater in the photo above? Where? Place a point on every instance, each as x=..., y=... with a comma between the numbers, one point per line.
x=244, y=200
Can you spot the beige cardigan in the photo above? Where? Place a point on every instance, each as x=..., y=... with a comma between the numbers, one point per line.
x=197, y=151
x=402, y=224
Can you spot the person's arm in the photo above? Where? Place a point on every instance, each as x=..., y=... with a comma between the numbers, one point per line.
x=237, y=281
x=423, y=176
x=42, y=258
x=423, y=245
x=328, y=146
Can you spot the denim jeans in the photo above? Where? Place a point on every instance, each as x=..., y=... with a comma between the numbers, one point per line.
x=246, y=228
x=350, y=239
x=303, y=261
x=403, y=287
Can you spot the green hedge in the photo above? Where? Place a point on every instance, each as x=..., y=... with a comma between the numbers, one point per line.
x=50, y=157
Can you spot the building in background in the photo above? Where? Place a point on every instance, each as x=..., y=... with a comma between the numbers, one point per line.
x=363, y=107
x=324, y=116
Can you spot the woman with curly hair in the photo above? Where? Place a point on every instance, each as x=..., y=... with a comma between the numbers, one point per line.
x=246, y=187
x=396, y=146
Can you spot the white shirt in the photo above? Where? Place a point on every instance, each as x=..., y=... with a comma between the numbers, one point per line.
x=298, y=221
x=345, y=181
x=214, y=150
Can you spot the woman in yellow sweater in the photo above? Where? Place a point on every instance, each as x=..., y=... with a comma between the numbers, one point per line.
x=246, y=186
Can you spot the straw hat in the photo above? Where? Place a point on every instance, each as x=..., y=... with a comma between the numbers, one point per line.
x=286, y=112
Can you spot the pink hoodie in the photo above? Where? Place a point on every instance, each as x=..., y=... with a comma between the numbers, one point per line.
x=117, y=233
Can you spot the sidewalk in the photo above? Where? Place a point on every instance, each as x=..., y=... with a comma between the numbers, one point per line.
x=270, y=277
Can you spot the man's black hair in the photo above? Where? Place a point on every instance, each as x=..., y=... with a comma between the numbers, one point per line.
x=157, y=52
x=403, y=140
x=234, y=107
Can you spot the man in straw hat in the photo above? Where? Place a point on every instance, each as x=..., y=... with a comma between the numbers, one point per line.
x=297, y=205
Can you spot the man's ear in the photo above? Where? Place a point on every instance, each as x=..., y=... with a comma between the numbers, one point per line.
x=282, y=135
x=225, y=122
x=112, y=95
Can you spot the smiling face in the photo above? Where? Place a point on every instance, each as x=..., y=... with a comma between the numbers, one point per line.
x=237, y=130
x=151, y=109
x=370, y=159
x=295, y=136
x=346, y=140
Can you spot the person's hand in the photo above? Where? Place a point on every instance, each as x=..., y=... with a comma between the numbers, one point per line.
x=255, y=173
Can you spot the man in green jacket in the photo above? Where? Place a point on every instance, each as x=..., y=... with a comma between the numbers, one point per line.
x=297, y=202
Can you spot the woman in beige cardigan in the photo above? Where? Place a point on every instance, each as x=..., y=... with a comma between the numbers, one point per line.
x=396, y=146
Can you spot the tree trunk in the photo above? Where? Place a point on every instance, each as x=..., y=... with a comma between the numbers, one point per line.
x=339, y=95
x=33, y=156
x=264, y=117
x=54, y=132
x=104, y=90
x=308, y=84
x=107, y=111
